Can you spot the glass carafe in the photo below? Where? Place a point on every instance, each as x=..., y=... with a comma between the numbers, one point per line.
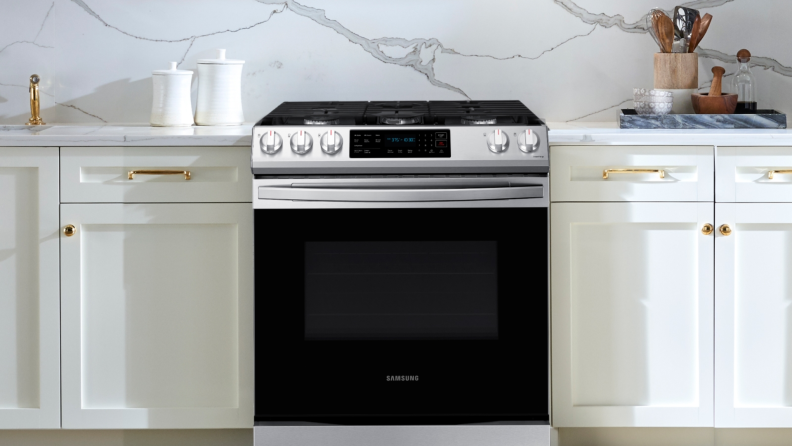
x=744, y=84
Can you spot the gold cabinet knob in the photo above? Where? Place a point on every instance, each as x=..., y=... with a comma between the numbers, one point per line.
x=69, y=230
x=707, y=229
x=725, y=230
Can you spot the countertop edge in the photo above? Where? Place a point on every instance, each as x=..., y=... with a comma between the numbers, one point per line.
x=241, y=136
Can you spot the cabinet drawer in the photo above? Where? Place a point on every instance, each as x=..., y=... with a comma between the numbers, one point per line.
x=744, y=174
x=651, y=173
x=110, y=174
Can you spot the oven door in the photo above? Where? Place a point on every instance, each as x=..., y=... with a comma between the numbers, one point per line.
x=402, y=313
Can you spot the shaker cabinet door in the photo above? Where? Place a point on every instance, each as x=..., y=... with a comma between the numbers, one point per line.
x=29, y=292
x=632, y=309
x=157, y=316
x=753, y=322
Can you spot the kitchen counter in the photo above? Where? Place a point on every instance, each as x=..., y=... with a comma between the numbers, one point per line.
x=609, y=133
x=605, y=133
x=63, y=135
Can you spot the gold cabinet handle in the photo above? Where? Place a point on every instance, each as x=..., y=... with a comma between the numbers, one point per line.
x=725, y=230
x=606, y=173
x=772, y=173
x=69, y=230
x=186, y=173
x=707, y=229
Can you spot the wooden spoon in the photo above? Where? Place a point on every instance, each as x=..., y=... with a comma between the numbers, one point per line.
x=717, y=80
x=665, y=32
x=705, y=23
x=694, y=34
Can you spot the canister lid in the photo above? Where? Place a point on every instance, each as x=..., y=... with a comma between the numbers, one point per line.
x=221, y=59
x=173, y=71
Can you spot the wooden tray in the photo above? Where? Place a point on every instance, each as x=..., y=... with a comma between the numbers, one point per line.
x=762, y=119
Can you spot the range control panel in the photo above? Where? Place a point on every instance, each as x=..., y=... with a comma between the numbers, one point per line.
x=400, y=143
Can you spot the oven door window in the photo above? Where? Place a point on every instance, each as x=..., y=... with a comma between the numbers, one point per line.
x=401, y=290
x=401, y=316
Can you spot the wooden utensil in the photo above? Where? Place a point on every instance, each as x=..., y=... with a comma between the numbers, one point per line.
x=665, y=32
x=717, y=81
x=703, y=27
x=715, y=103
x=694, y=34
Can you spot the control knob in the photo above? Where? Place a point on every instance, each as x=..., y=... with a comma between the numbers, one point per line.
x=498, y=141
x=528, y=141
x=271, y=142
x=331, y=142
x=301, y=142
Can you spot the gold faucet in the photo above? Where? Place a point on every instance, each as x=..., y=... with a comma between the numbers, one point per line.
x=35, y=102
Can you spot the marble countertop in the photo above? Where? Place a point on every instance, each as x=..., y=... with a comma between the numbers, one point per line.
x=124, y=135
x=605, y=133
x=609, y=133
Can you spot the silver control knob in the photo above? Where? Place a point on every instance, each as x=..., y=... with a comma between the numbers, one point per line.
x=498, y=141
x=301, y=142
x=331, y=142
x=271, y=142
x=528, y=141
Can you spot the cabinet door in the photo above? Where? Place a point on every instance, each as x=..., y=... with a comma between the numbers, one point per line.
x=632, y=309
x=157, y=316
x=29, y=289
x=753, y=328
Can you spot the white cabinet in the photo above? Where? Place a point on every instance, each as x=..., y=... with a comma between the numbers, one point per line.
x=754, y=174
x=632, y=173
x=753, y=322
x=29, y=292
x=157, y=314
x=155, y=174
x=632, y=314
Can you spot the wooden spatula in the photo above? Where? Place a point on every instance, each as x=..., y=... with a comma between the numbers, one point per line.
x=705, y=23
x=717, y=80
x=694, y=34
x=665, y=32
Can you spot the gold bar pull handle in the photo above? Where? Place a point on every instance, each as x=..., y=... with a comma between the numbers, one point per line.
x=186, y=173
x=773, y=173
x=607, y=172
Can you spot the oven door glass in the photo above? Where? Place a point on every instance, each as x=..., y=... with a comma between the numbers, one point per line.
x=401, y=316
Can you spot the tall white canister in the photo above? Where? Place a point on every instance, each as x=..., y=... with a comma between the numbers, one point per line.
x=219, y=91
x=171, y=105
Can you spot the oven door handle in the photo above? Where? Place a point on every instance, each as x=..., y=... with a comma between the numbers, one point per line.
x=415, y=192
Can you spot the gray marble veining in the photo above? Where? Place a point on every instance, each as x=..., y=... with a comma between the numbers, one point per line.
x=567, y=59
x=688, y=122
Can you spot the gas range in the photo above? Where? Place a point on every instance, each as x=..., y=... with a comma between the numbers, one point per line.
x=400, y=137
x=381, y=288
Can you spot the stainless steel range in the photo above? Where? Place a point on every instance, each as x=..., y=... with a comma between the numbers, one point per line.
x=402, y=274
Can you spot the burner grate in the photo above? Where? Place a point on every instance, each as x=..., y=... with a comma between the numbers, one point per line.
x=397, y=113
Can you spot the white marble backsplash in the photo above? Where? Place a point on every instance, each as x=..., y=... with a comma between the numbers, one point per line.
x=568, y=60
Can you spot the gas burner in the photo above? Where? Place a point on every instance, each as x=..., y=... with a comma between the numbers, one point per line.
x=321, y=120
x=479, y=120
x=401, y=119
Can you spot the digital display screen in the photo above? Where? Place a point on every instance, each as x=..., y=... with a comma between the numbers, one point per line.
x=400, y=143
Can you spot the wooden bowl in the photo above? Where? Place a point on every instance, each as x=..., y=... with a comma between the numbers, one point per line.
x=704, y=104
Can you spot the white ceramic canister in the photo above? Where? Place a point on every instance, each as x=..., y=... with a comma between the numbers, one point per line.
x=219, y=91
x=171, y=106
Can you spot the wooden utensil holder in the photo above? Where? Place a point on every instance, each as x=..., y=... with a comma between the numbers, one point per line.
x=678, y=73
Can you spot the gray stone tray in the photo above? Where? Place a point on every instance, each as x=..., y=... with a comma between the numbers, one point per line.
x=763, y=119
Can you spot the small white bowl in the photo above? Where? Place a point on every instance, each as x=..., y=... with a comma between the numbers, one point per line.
x=643, y=95
x=653, y=108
